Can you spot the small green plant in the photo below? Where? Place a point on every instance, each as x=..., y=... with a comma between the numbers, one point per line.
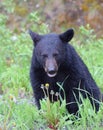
x=55, y=114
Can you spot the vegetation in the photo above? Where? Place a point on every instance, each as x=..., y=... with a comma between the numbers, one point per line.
x=17, y=107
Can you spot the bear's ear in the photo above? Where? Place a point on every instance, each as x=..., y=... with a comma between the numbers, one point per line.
x=67, y=36
x=35, y=37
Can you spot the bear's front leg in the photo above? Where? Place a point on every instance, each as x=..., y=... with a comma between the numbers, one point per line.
x=95, y=99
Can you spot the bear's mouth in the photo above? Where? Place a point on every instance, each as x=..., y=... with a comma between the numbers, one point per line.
x=52, y=74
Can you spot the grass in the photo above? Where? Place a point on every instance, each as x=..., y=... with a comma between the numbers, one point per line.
x=17, y=109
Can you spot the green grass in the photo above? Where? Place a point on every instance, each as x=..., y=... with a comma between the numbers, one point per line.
x=17, y=109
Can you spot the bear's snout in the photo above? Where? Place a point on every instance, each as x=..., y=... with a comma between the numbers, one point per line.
x=51, y=67
x=52, y=71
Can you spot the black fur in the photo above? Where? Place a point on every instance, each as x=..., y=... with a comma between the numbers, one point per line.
x=70, y=69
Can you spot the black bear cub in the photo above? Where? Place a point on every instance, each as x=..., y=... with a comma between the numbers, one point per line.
x=54, y=61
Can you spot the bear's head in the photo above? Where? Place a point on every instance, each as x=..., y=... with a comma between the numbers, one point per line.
x=50, y=50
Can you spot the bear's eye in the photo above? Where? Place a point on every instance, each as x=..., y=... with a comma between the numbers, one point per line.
x=44, y=55
x=55, y=54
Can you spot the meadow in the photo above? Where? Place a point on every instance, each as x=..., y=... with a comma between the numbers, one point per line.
x=17, y=106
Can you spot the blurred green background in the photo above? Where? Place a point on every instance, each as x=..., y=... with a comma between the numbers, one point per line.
x=56, y=14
